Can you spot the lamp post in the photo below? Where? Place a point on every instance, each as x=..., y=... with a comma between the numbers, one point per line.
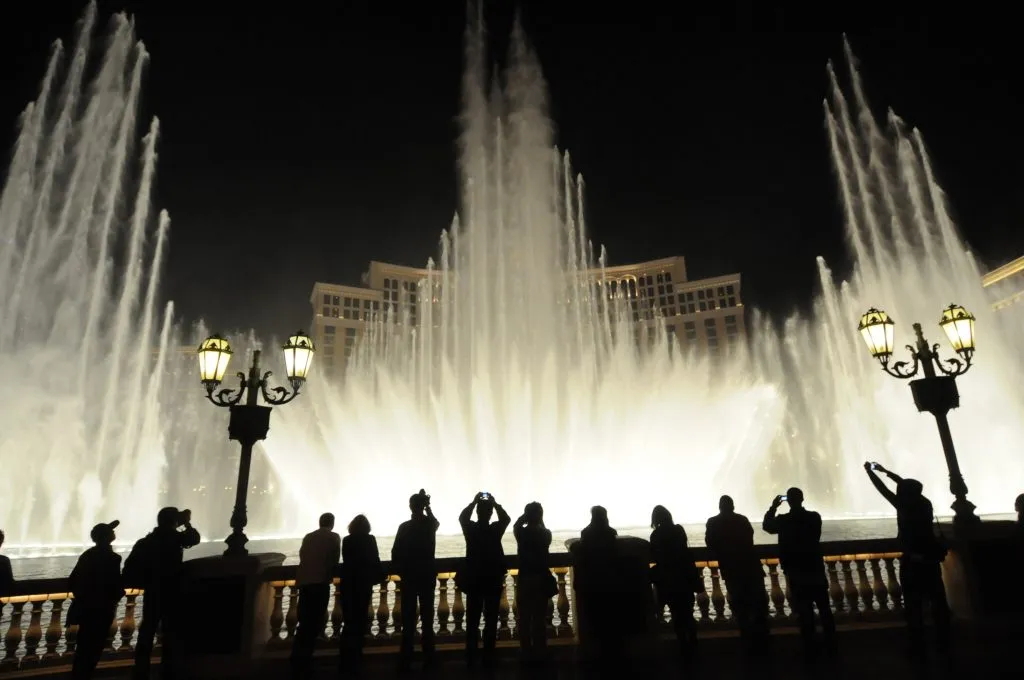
x=249, y=421
x=934, y=393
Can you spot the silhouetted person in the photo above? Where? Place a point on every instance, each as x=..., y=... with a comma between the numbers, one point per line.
x=730, y=539
x=536, y=585
x=6, y=575
x=360, y=570
x=923, y=553
x=1018, y=506
x=154, y=565
x=96, y=584
x=412, y=558
x=799, y=532
x=597, y=580
x=318, y=557
x=675, y=575
x=483, y=576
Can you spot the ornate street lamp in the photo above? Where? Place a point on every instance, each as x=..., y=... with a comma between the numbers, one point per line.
x=249, y=421
x=934, y=393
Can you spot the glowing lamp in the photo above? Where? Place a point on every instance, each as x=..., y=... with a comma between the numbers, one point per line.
x=298, y=356
x=879, y=333
x=214, y=355
x=958, y=324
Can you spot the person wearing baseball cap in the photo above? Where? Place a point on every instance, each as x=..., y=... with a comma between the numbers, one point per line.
x=96, y=585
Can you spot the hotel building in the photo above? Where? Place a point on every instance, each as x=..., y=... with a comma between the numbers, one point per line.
x=706, y=314
x=1007, y=282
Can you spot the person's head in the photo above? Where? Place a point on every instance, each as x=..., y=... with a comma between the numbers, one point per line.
x=1018, y=505
x=795, y=497
x=2, y=537
x=909, y=489
x=534, y=514
x=725, y=505
x=103, y=534
x=359, y=526
x=659, y=516
x=598, y=516
x=168, y=518
x=417, y=503
x=327, y=520
x=484, y=509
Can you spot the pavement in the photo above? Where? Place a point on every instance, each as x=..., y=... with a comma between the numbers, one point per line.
x=865, y=653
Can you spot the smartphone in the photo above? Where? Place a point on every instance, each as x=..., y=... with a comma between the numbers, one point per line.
x=783, y=499
x=874, y=466
x=484, y=495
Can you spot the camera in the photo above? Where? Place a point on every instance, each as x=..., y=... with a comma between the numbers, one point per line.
x=783, y=498
x=874, y=466
x=485, y=496
x=184, y=517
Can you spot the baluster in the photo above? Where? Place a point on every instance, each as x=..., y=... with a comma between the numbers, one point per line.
x=563, y=604
x=895, y=587
x=337, y=614
x=13, y=638
x=503, y=630
x=778, y=597
x=34, y=634
x=550, y=630
x=128, y=622
x=459, y=611
x=443, y=608
x=291, y=618
x=515, y=602
x=867, y=595
x=55, y=629
x=881, y=592
x=850, y=588
x=703, y=601
x=835, y=589
x=276, y=613
x=396, y=610
x=108, y=644
x=717, y=598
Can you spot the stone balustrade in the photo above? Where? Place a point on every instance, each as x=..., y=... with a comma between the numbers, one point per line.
x=863, y=577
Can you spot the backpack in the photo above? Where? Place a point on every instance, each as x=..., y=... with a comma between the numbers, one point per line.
x=138, y=565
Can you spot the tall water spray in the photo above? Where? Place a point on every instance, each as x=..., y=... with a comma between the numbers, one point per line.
x=96, y=422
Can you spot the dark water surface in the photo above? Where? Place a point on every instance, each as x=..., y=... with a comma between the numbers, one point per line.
x=38, y=563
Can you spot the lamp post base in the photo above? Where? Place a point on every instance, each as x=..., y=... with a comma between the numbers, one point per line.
x=963, y=513
x=236, y=544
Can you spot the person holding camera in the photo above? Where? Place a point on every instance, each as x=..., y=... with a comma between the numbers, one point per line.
x=536, y=585
x=155, y=565
x=799, y=532
x=412, y=558
x=483, y=577
x=921, y=563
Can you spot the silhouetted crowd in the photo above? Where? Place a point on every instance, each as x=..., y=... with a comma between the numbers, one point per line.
x=154, y=564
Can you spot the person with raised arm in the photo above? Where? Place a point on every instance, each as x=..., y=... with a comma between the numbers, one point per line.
x=921, y=562
x=536, y=585
x=483, y=577
x=799, y=532
x=412, y=559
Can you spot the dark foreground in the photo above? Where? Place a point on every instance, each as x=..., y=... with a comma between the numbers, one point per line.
x=866, y=653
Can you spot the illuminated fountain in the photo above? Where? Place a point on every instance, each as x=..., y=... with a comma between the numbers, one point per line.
x=520, y=379
x=519, y=383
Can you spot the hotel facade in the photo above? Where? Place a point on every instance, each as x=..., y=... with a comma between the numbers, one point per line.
x=1007, y=282
x=703, y=314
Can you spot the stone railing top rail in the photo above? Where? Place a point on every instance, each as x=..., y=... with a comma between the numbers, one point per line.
x=834, y=551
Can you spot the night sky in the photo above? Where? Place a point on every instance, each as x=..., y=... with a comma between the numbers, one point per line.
x=299, y=142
